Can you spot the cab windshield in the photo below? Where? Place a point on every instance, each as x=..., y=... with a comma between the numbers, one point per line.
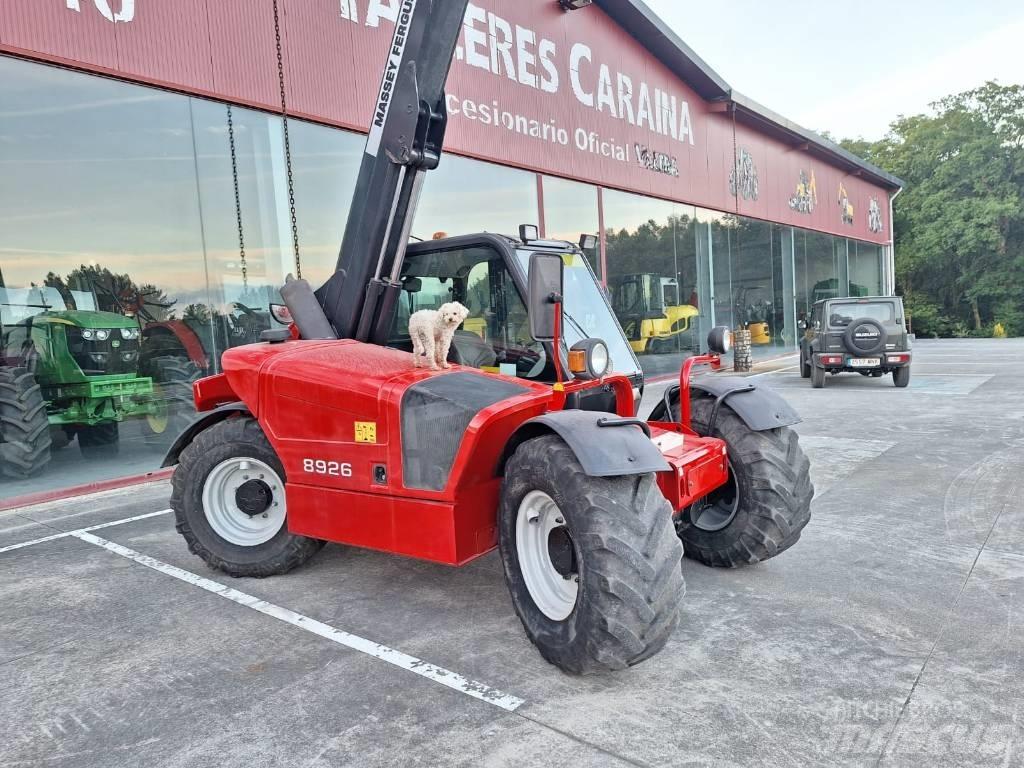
x=587, y=312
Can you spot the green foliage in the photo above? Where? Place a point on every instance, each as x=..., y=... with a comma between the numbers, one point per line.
x=960, y=221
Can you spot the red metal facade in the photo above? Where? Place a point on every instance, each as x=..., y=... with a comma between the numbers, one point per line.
x=574, y=87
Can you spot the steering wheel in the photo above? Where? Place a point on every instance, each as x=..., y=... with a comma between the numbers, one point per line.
x=542, y=359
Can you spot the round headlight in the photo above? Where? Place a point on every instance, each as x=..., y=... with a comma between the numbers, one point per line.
x=88, y=334
x=129, y=333
x=589, y=359
x=720, y=340
x=102, y=334
x=599, y=359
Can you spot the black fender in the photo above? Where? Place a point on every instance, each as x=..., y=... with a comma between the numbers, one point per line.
x=208, y=419
x=761, y=408
x=605, y=444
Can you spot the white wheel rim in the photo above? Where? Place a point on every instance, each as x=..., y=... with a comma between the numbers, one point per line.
x=553, y=593
x=223, y=513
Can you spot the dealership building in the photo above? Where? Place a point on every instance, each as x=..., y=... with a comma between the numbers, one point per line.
x=171, y=161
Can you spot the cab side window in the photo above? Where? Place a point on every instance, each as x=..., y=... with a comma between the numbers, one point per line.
x=496, y=334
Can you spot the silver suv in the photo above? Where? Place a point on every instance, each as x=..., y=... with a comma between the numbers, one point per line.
x=861, y=334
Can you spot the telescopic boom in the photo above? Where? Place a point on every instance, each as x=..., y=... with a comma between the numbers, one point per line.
x=405, y=141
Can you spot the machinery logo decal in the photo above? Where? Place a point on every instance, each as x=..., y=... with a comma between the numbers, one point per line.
x=655, y=161
x=387, y=83
x=845, y=206
x=806, y=196
x=366, y=431
x=874, y=216
x=743, y=179
x=126, y=14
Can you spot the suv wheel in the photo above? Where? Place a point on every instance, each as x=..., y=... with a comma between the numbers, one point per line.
x=817, y=376
x=805, y=366
x=901, y=377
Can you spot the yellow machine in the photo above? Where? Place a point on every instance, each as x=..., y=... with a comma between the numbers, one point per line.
x=651, y=314
x=759, y=333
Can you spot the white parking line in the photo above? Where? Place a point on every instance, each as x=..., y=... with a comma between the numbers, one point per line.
x=425, y=669
x=76, y=532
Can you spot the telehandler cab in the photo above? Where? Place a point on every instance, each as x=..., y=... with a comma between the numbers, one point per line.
x=529, y=442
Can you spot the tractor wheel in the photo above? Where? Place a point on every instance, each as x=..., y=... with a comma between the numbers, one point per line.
x=172, y=403
x=817, y=376
x=228, y=498
x=901, y=376
x=100, y=441
x=24, y=428
x=764, y=506
x=592, y=563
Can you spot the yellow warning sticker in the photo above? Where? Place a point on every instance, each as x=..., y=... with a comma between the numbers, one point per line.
x=366, y=432
x=569, y=259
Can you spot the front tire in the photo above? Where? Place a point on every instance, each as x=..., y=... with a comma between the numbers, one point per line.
x=805, y=367
x=228, y=498
x=592, y=563
x=901, y=377
x=766, y=503
x=24, y=427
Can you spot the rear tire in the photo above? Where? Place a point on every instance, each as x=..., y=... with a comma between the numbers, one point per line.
x=615, y=537
x=901, y=377
x=805, y=367
x=24, y=428
x=262, y=545
x=817, y=376
x=100, y=441
x=767, y=502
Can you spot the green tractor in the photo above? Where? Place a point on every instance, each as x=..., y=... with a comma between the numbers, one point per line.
x=66, y=371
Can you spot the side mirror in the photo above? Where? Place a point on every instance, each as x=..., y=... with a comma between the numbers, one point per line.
x=720, y=340
x=802, y=325
x=545, y=281
x=281, y=313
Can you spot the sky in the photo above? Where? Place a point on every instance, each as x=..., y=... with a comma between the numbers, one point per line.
x=850, y=67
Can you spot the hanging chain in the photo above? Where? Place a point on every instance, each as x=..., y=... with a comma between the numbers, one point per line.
x=287, y=143
x=238, y=200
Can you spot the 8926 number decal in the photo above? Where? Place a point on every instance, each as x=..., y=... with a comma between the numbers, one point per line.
x=323, y=467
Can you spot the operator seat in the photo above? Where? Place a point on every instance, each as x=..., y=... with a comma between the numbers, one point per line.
x=470, y=350
x=307, y=314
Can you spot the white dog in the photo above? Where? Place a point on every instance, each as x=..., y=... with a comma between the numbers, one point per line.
x=431, y=331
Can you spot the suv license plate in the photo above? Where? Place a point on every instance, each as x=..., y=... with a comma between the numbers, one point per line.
x=864, y=362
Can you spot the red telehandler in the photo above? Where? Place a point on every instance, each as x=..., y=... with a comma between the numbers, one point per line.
x=529, y=442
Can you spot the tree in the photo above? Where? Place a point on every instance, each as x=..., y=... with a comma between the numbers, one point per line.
x=960, y=221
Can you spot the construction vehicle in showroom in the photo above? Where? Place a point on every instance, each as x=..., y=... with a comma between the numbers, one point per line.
x=528, y=442
x=654, y=319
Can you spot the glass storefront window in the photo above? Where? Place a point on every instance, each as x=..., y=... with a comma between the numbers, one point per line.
x=652, y=277
x=247, y=235
x=570, y=210
x=865, y=269
x=102, y=239
x=466, y=196
x=325, y=164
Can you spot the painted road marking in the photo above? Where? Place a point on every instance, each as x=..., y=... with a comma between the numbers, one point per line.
x=75, y=533
x=423, y=668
